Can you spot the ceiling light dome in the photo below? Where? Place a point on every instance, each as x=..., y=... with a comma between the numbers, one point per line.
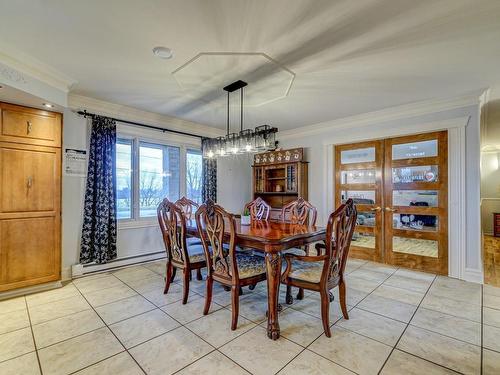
x=163, y=52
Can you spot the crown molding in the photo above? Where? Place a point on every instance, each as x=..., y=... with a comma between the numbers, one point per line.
x=385, y=115
x=26, y=64
x=80, y=102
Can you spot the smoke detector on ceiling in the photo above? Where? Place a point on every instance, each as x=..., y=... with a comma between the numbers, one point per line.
x=163, y=52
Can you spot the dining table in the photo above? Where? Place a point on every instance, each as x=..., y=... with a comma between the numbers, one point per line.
x=271, y=238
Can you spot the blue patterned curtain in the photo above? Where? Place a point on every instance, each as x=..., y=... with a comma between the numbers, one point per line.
x=209, y=180
x=99, y=216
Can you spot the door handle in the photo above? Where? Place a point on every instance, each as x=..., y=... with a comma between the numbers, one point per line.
x=389, y=209
x=377, y=209
x=29, y=182
x=29, y=127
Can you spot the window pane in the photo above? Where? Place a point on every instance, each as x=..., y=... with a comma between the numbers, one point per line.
x=366, y=218
x=417, y=222
x=359, y=196
x=422, y=198
x=417, y=246
x=361, y=176
x=363, y=240
x=158, y=176
x=422, y=173
x=360, y=155
x=124, y=178
x=194, y=165
x=421, y=149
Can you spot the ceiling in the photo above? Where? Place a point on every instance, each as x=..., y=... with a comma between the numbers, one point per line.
x=348, y=57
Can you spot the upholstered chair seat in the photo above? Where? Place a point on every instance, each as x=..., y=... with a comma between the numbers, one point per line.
x=250, y=265
x=306, y=271
x=196, y=253
x=193, y=241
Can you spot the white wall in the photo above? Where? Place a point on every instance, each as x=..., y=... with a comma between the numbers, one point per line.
x=490, y=159
x=234, y=182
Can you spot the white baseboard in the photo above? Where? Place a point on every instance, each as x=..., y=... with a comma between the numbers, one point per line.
x=474, y=276
x=122, y=262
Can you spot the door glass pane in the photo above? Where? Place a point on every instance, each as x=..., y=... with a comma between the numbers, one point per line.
x=360, y=155
x=366, y=218
x=421, y=173
x=194, y=166
x=124, y=179
x=362, y=176
x=416, y=246
x=359, y=196
x=363, y=240
x=415, y=222
x=421, y=149
x=158, y=176
x=418, y=198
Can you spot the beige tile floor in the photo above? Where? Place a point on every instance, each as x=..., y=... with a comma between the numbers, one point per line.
x=401, y=322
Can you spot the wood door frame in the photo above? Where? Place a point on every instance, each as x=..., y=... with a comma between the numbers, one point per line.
x=375, y=254
x=426, y=263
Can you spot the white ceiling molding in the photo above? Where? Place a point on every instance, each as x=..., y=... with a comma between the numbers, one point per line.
x=384, y=115
x=23, y=63
x=79, y=102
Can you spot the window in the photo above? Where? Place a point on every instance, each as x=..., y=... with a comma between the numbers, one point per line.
x=194, y=165
x=124, y=178
x=158, y=176
x=147, y=172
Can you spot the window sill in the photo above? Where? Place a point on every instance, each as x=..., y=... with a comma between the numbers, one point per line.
x=135, y=224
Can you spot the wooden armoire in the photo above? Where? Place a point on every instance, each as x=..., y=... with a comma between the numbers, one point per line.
x=30, y=196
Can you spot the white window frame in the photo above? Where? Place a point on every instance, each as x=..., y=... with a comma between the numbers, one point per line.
x=136, y=221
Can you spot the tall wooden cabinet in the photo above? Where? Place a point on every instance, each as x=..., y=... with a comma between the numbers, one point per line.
x=30, y=196
x=280, y=177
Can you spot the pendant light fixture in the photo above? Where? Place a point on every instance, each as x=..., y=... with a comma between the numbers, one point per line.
x=246, y=141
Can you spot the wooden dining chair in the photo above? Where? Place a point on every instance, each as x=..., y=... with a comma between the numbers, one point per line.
x=259, y=209
x=187, y=206
x=179, y=254
x=323, y=272
x=299, y=211
x=224, y=264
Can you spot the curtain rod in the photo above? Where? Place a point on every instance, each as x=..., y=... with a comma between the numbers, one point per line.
x=88, y=114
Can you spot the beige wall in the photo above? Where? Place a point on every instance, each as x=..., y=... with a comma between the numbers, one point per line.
x=490, y=158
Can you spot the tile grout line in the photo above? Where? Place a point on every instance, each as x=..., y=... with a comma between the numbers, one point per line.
x=110, y=330
x=307, y=346
x=402, y=334
x=407, y=325
x=33, y=336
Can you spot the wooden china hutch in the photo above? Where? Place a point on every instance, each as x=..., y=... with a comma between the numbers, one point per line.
x=280, y=177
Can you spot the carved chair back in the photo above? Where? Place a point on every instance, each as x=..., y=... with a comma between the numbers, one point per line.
x=173, y=228
x=187, y=205
x=212, y=220
x=259, y=209
x=299, y=211
x=339, y=231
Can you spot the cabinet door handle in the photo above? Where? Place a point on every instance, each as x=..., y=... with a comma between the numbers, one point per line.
x=29, y=182
x=29, y=127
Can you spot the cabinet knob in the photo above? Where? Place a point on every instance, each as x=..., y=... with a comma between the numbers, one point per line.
x=29, y=182
x=29, y=127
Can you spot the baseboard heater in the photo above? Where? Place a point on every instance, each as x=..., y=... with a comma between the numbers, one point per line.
x=79, y=270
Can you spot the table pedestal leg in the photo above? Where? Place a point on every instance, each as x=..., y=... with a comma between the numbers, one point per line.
x=273, y=267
